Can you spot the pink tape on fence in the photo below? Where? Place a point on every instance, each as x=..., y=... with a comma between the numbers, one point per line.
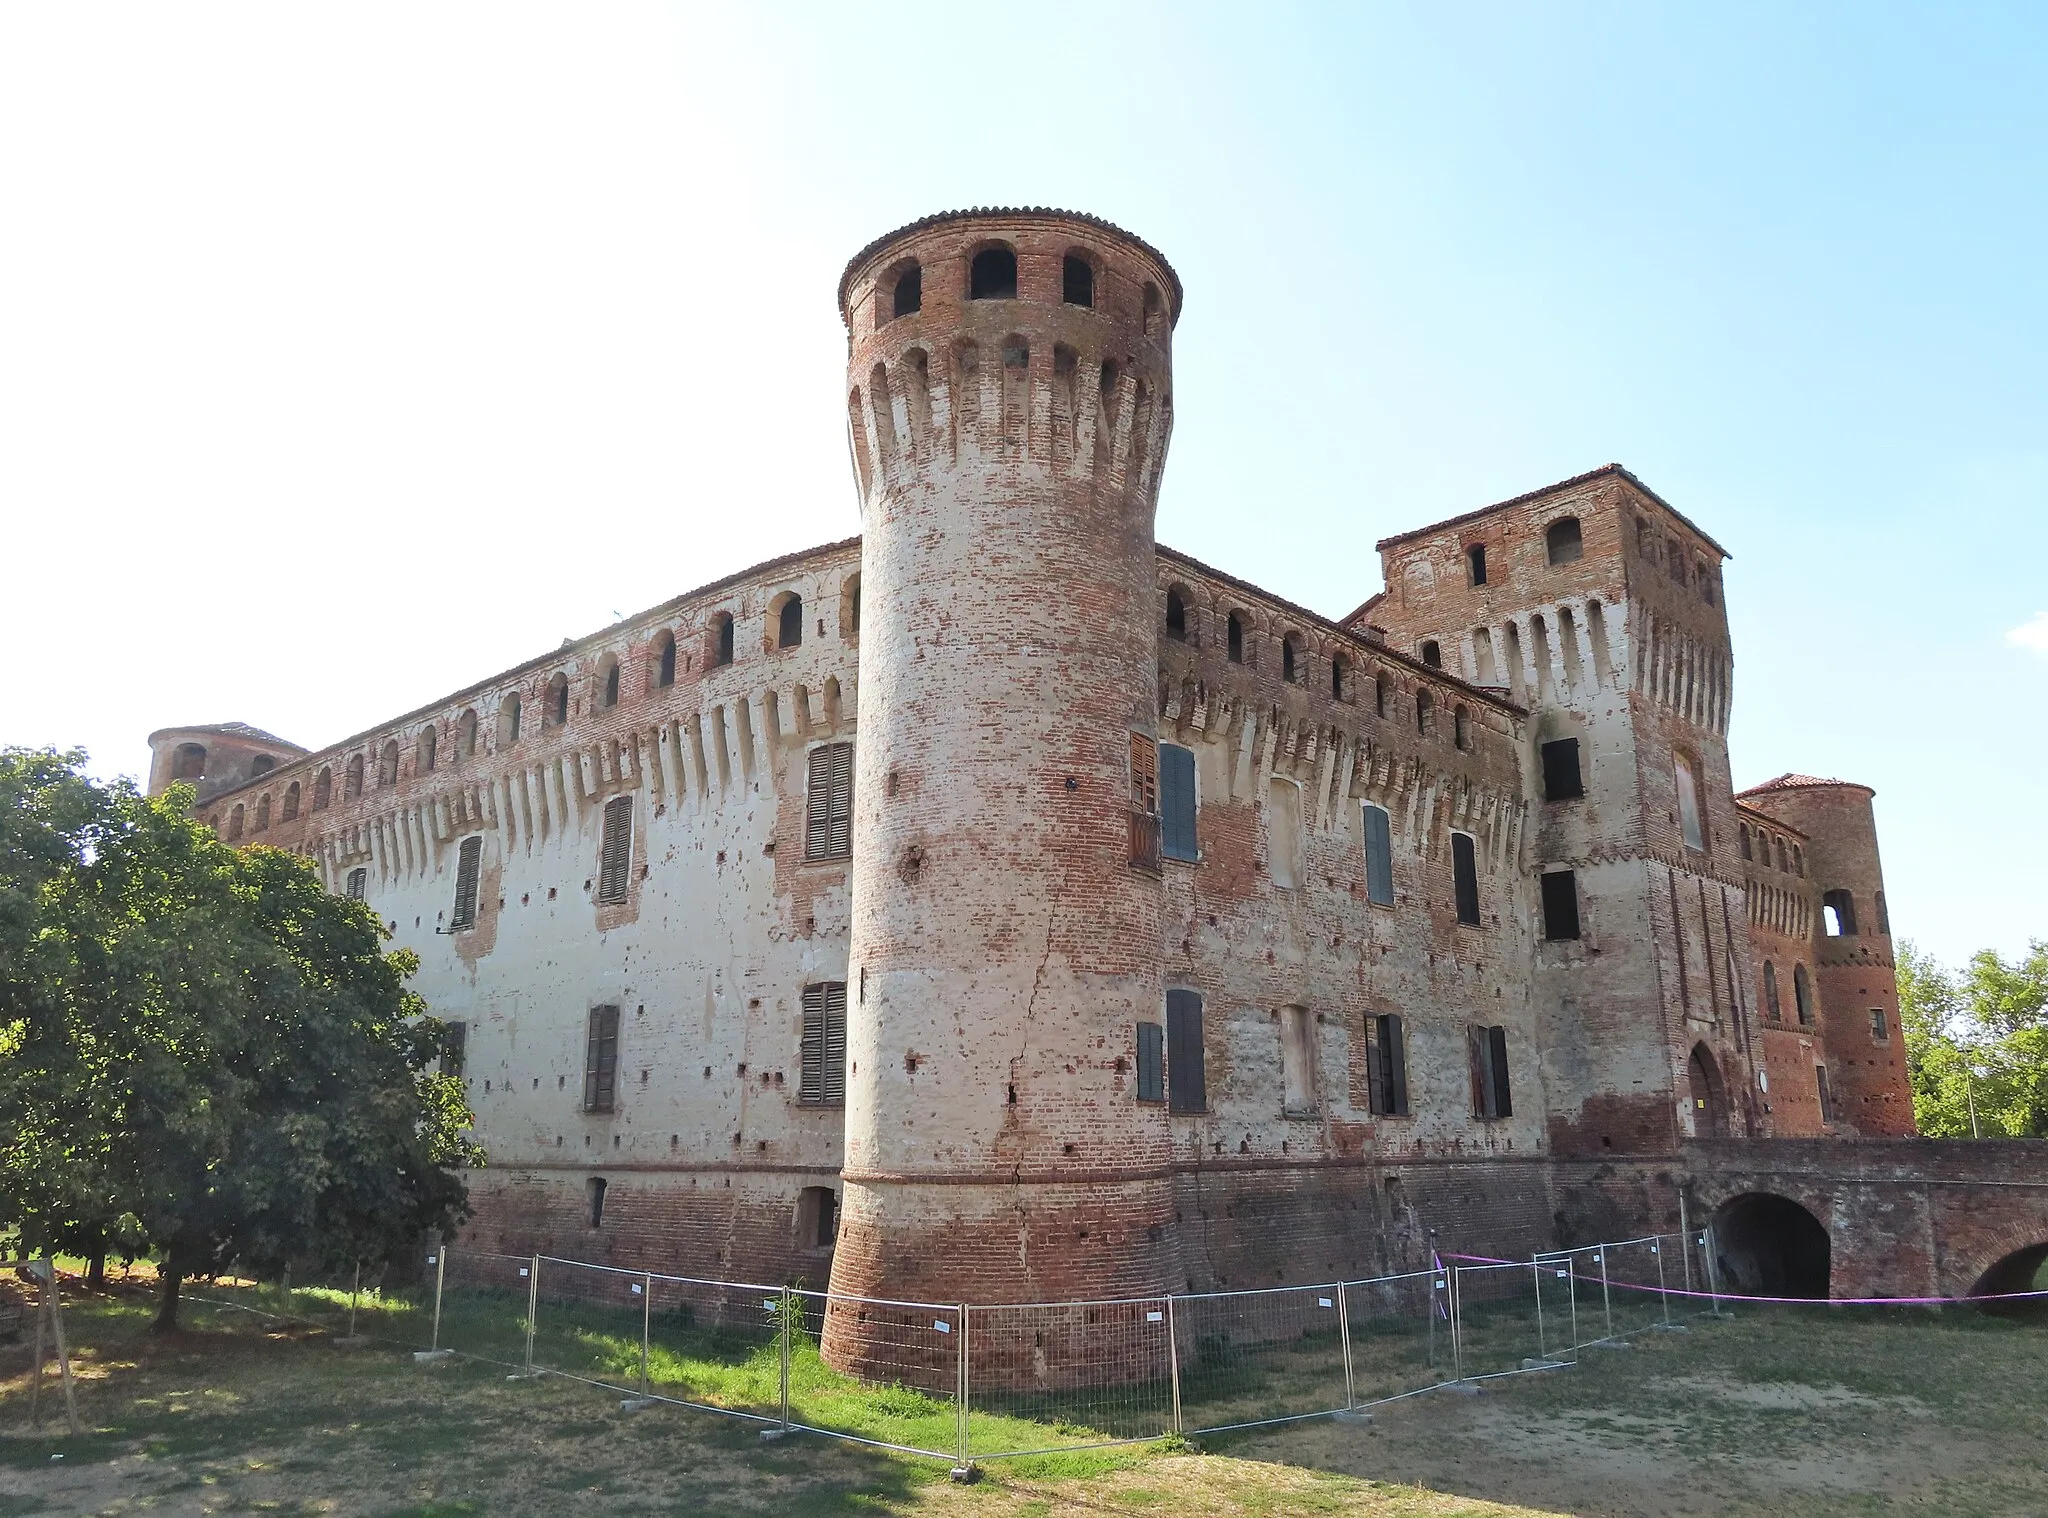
x=1737, y=1296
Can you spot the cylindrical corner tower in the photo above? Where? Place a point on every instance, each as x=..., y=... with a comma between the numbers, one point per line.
x=1009, y=395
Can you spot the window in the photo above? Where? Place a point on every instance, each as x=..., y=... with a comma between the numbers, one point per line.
x=1688, y=804
x=664, y=660
x=352, y=778
x=1674, y=560
x=1283, y=832
x=1379, y=695
x=608, y=682
x=1297, y=1060
x=1772, y=1008
x=291, y=806
x=1151, y=1062
x=1432, y=653
x=1703, y=576
x=1290, y=659
x=1144, y=814
x=1077, y=281
x=262, y=764
x=554, y=710
x=387, y=765
x=1562, y=541
x=789, y=623
x=817, y=1217
x=1461, y=727
x=594, y=1191
x=429, y=748
x=465, y=736
x=721, y=639
x=1562, y=780
x=508, y=720
x=1560, y=904
x=1465, y=877
x=1475, y=563
x=262, y=824
x=1880, y=1029
x=323, y=789
x=1802, y=995
x=1386, y=1065
x=1155, y=309
x=1827, y=1096
x=992, y=275
x=849, y=609
x=601, y=1060
x=358, y=884
x=1176, y=615
x=1646, y=541
x=1742, y=840
x=1783, y=863
x=1884, y=918
x=1177, y=802
x=188, y=762
x=908, y=298
x=463, y=914
x=1340, y=678
x=235, y=822
x=454, y=1048
x=1379, y=856
x=1186, y=1082
x=823, y=1054
x=828, y=815
x=1234, y=639
x=1425, y=712
x=1798, y=862
x=1838, y=911
x=1490, y=1094
x=615, y=854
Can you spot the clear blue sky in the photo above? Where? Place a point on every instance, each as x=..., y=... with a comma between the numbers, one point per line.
x=347, y=356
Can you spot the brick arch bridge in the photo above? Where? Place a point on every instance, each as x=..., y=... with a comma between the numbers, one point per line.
x=1904, y=1217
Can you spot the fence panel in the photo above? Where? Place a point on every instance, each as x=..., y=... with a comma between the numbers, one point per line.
x=1259, y=1356
x=484, y=1299
x=716, y=1344
x=588, y=1322
x=1495, y=1308
x=902, y=1386
x=1637, y=1294
x=1400, y=1334
x=1064, y=1375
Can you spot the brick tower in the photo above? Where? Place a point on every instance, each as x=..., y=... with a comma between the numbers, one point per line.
x=1010, y=398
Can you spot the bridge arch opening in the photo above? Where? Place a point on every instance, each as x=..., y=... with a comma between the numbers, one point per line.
x=1767, y=1245
x=2022, y=1270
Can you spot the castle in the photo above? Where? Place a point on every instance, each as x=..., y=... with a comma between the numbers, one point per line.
x=1000, y=906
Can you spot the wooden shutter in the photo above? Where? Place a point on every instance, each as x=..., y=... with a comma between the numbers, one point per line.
x=828, y=812
x=1560, y=904
x=835, y=1043
x=1395, y=1041
x=601, y=1060
x=811, y=1080
x=822, y=1070
x=1177, y=801
x=1375, y=1059
x=1151, y=1062
x=1479, y=1053
x=464, y=915
x=616, y=856
x=1379, y=857
x=1144, y=814
x=1497, y=1059
x=1186, y=1079
x=358, y=884
x=1465, y=873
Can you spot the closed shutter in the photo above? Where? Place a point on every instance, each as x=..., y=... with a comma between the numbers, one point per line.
x=1560, y=904
x=1186, y=1080
x=835, y=1044
x=811, y=1082
x=455, y=1051
x=1379, y=857
x=616, y=855
x=1465, y=872
x=1151, y=1062
x=1177, y=801
x=1479, y=1051
x=828, y=816
x=466, y=868
x=358, y=884
x=601, y=1060
x=1392, y=1066
x=1562, y=780
x=1497, y=1052
x=822, y=1077
x=1375, y=1065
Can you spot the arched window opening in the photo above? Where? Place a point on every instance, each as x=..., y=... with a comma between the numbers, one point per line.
x=1802, y=997
x=908, y=298
x=1155, y=310
x=992, y=275
x=1705, y=578
x=262, y=764
x=1475, y=563
x=1675, y=558
x=1290, y=659
x=849, y=609
x=1176, y=615
x=291, y=802
x=1425, y=712
x=235, y=823
x=1742, y=840
x=1646, y=541
x=721, y=639
x=817, y=1217
x=1770, y=1246
x=1016, y=352
x=789, y=623
x=1783, y=863
x=593, y=1192
x=262, y=814
x=1838, y=911
x=429, y=748
x=1798, y=861
x=1340, y=678
x=1884, y=918
x=1234, y=639
x=1772, y=1008
x=1379, y=695
x=1562, y=540
x=608, y=682
x=387, y=764
x=508, y=720
x=1109, y=379
x=664, y=660
x=1432, y=653
x=1461, y=727
x=465, y=736
x=1709, y=1094
x=554, y=710
x=189, y=762
x=1077, y=281
x=352, y=778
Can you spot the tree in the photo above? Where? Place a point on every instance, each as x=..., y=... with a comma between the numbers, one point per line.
x=217, y=1060
x=1977, y=1043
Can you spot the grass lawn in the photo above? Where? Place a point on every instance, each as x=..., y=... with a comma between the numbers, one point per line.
x=1803, y=1412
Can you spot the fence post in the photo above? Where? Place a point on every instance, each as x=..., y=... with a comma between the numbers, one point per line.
x=440, y=1275
x=1663, y=1292
x=646, y=1324
x=1457, y=1295
x=1685, y=1242
x=783, y=1349
x=1571, y=1265
x=1173, y=1359
x=1606, y=1300
x=1713, y=1274
x=1344, y=1328
x=1536, y=1275
x=963, y=1467
x=532, y=1309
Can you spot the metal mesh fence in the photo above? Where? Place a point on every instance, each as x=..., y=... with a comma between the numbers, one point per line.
x=1260, y=1356
x=1400, y=1334
x=484, y=1300
x=1495, y=1309
x=904, y=1371
x=1054, y=1375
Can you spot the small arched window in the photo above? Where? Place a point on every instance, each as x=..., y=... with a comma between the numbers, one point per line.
x=664, y=660
x=789, y=623
x=1475, y=563
x=1290, y=659
x=1838, y=913
x=1340, y=678
x=1234, y=639
x=849, y=609
x=508, y=720
x=262, y=764
x=554, y=709
x=992, y=275
x=1176, y=615
x=189, y=762
x=1784, y=864
x=1155, y=310
x=465, y=736
x=1802, y=994
x=352, y=778
x=1077, y=281
x=1461, y=727
x=323, y=789
x=1379, y=695
x=235, y=822
x=1772, y=1009
x=429, y=748
x=908, y=297
x=1563, y=541
x=1425, y=712
x=1675, y=559
x=721, y=638
x=1742, y=840
x=387, y=764
x=608, y=682
x=291, y=802
x=1704, y=577
x=262, y=813
x=1432, y=653
x=1798, y=861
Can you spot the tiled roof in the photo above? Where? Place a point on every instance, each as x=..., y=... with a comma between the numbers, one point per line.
x=1791, y=782
x=237, y=730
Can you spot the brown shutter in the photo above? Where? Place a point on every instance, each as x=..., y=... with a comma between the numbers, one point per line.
x=616, y=855
x=835, y=1043
x=1476, y=1051
x=828, y=812
x=464, y=914
x=1144, y=804
x=822, y=1069
x=811, y=1080
x=1497, y=1060
x=840, y=836
x=1395, y=1041
x=601, y=1060
x=1375, y=1052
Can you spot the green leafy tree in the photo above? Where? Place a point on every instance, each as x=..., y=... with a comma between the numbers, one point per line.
x=218, y=1062
x=1977, y=1043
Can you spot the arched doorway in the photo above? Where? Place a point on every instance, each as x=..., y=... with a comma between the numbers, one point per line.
x=2022, y=1270
x=1769, y=1246
x=1709, y=1094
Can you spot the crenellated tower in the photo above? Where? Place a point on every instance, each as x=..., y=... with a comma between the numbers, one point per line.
x=1010, y=396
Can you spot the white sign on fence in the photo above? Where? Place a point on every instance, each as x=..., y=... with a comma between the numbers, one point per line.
x=942, y=1325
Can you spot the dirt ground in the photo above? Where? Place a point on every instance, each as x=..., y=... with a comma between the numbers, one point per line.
x=1810, y=1414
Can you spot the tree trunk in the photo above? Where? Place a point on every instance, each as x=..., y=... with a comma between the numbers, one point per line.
x=96, y=1267
x=167, y=1302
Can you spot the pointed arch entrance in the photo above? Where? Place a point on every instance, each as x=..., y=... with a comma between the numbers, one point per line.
x=1709, y=1094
